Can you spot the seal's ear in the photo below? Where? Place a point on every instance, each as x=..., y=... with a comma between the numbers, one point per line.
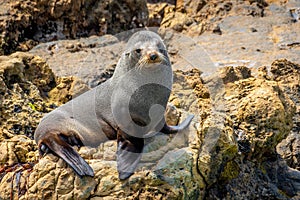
x=61, y=148
x=129, y=154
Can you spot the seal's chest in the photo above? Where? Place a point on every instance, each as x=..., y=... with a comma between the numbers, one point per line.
x=147, y=96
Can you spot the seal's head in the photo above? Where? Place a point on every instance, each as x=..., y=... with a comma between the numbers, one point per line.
x=145, y=49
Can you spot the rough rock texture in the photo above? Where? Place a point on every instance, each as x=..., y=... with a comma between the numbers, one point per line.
x=229, y=151
x=288, y=74
x=24, y=78
x=261, y=116
x=25, y=81
x=244, y=140
x=91, y=59
x=197, y=16
x=24, y=22
x=251, y=33
x=244, y=40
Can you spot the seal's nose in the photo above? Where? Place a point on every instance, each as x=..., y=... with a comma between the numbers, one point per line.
x=153, y=56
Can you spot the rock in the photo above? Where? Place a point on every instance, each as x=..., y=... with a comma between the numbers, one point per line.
x=288, y=75
x=14, y=184
x=290, y=151
x=264, y=128
x=243, y=141
x=106, y=182
x=233, y=33
x=231, y=140
x=26, y=81
x=17, y=150
x=232, y=74
x=93, y=61
x=196, y=17
x=29, y=89
x=24, y=23
x=260, y=116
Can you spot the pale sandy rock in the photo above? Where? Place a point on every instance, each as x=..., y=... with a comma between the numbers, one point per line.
x=250, y=33
x=93, y=62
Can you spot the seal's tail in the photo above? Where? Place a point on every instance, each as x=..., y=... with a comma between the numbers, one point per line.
x=65, y=151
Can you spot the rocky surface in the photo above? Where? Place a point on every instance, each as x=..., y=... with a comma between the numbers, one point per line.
x=243, y=142
x=251, y=33
x=289, y=78
x=25, y=81
x=91, y=59
x=232, y=140
x=24, y=23
x=243, y=39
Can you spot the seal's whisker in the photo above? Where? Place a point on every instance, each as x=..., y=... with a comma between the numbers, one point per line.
x=142, y=62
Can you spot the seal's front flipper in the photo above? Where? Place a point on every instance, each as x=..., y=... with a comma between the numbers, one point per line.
x=174, y=129
x=62, y=149
x=129, y=154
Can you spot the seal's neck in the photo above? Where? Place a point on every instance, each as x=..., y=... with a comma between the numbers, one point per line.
x=121, y=68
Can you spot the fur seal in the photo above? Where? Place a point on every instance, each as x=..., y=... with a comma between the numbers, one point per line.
x=128, y=107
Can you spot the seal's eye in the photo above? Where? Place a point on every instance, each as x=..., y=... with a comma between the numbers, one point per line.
x=138, y=51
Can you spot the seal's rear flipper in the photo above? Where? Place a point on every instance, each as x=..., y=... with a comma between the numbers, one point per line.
x=128, y=154
x=174, y=129
x=61, y=148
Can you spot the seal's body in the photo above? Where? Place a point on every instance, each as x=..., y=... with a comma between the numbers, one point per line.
x=128, y=107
